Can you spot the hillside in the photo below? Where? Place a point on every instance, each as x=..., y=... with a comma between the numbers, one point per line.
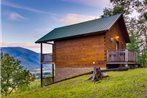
x=123, y=84
x=29, y=59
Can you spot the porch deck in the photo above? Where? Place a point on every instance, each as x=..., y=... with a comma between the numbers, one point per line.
x=121, y=57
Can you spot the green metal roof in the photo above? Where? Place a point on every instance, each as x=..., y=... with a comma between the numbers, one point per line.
x=87, y=27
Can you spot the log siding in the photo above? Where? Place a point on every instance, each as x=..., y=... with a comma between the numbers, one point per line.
x=80, y=52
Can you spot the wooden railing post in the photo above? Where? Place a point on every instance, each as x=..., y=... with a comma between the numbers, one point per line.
x=126, y=55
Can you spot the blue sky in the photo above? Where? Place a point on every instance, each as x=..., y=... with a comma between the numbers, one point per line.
x=25, y=21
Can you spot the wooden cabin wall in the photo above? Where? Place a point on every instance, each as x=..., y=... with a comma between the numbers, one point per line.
x=74, y=57
x=79, y=52
x=114, y=31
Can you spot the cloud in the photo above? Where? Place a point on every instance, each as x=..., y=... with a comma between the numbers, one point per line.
x=13, y=5
x=32, y=46
x=91, y=3
x=15, y=16
x=14, y=44
x=73, y=18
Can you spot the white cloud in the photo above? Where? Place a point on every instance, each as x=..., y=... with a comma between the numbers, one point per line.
x=13, y=5
x=16, y=16
x=72, y=18
x=92, y=3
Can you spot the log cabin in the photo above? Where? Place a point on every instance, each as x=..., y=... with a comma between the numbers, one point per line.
x=79, y=47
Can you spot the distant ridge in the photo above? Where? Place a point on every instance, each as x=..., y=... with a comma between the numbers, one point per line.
x=29, y=59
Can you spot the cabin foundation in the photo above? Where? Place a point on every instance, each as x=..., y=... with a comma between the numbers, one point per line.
x=65, y=73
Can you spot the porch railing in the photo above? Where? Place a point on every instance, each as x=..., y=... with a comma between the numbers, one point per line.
x=121, y=56
x=46, y=58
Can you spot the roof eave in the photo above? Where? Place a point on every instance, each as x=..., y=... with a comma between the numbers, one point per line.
x=91, y=33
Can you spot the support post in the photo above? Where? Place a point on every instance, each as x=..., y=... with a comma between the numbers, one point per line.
x=53, y=72
x=126, y=55
x=53, y=64
x=41, y=73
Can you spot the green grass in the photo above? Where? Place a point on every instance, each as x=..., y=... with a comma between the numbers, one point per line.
x=33, y=85
x=124, y=84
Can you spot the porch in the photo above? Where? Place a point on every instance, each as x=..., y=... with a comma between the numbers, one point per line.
x=121, y=57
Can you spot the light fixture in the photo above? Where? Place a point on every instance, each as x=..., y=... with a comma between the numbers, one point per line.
x=93, y=63
x=112, y=39
x=116, y=38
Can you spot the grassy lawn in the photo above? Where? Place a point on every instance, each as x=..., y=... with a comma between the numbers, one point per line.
x=124, y=84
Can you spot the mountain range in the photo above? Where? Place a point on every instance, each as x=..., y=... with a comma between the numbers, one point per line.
x=29, y=59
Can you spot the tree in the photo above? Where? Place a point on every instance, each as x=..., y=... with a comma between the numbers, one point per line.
x=13, y=75
x=143, y=30
x=122, y=6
